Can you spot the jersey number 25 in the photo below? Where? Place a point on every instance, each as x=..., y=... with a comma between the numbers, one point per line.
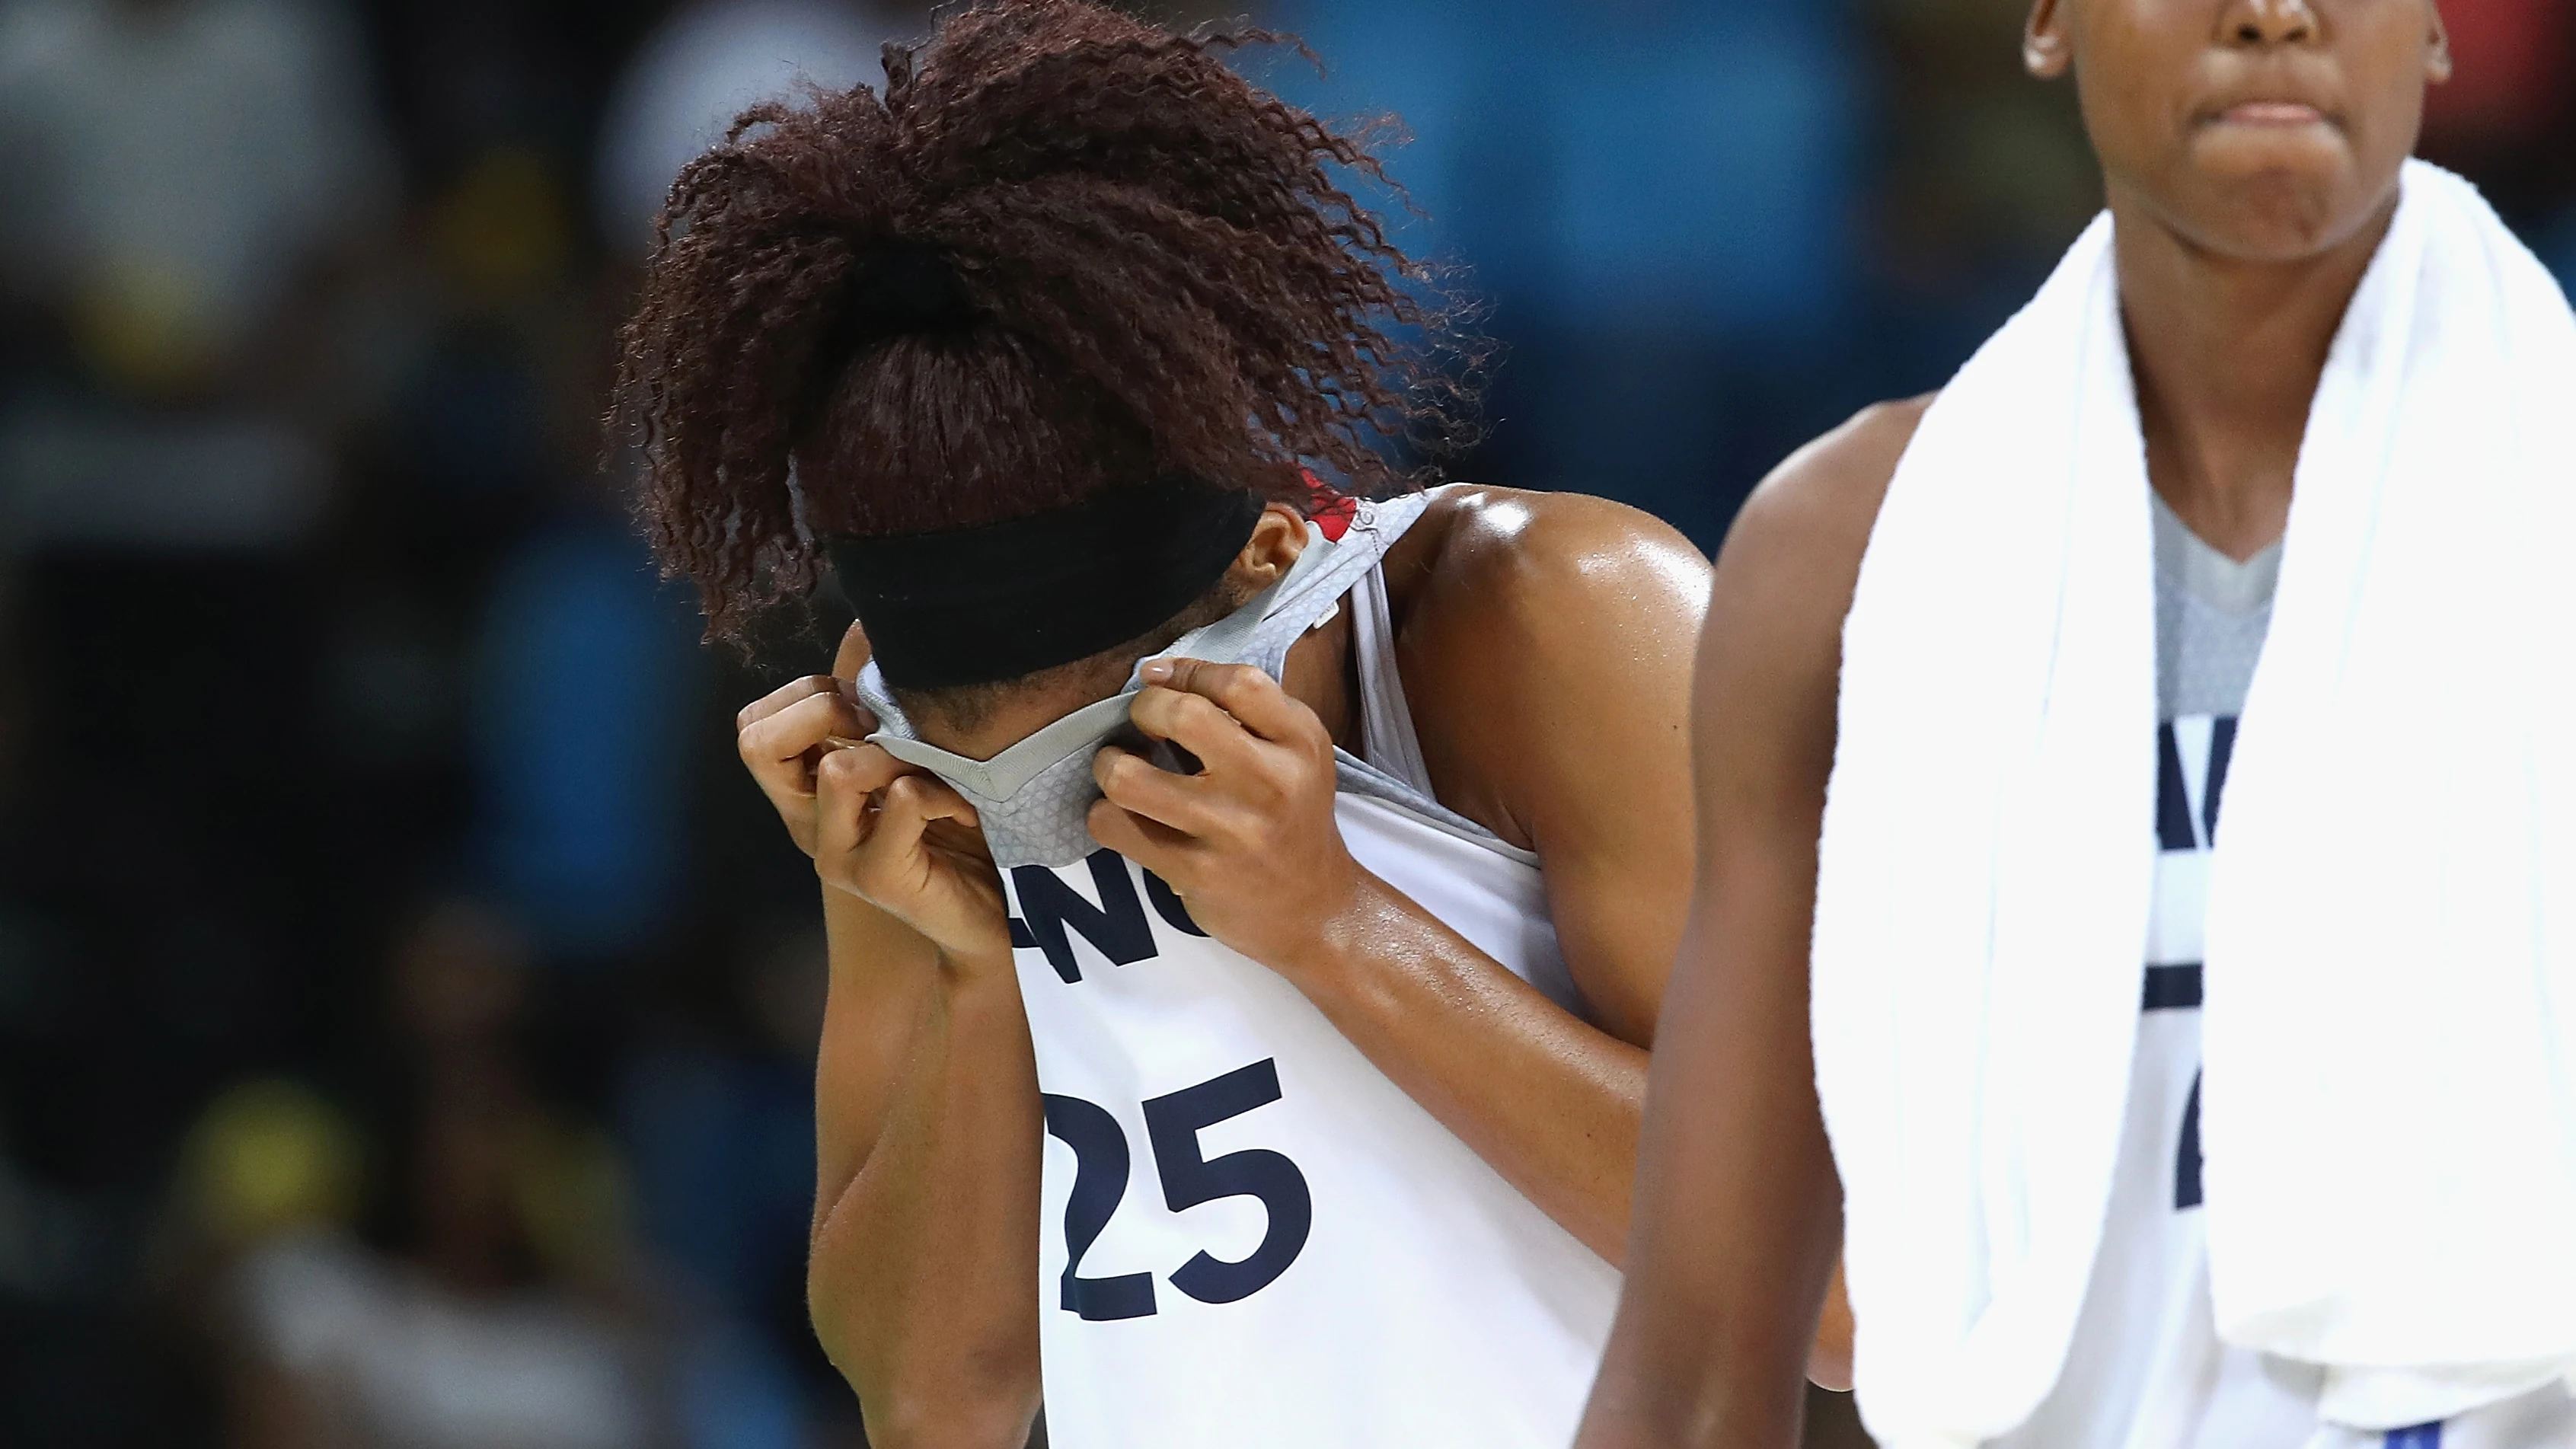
x=1173, y=1123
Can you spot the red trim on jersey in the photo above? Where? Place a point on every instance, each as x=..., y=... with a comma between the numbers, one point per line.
x=1331, y=511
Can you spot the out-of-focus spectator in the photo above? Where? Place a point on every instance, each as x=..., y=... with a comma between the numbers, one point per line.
x=175, y=166
x=586, y=674
x=185, y=179
x=719, y=1117
x=487, y=1301
x=179, y=170
x=706, y=64
x=1655, y=200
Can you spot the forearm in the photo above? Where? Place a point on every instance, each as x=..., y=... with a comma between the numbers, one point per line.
x=925, y=1260
x=1551, y=1103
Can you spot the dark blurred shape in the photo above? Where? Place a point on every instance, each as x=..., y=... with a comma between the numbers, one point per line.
x=717, y=1107
x=488, y=1297
x=2511, y=59
x=1833, y=1421
x=190, y=183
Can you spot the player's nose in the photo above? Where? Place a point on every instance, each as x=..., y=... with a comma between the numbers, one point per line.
x=2262, y=23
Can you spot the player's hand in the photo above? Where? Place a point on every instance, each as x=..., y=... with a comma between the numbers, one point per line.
x=906, y=842
x=784, y=737
x=1250, y=842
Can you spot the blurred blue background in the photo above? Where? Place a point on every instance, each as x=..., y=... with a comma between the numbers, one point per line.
x=407, y=1011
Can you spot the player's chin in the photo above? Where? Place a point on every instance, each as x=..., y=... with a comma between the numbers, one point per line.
x=2266, y=198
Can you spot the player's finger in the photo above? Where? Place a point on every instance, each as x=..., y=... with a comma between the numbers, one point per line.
x=891, y=858
x=1195, y=805
x=925, y=798
x=844, y=811
x=1240, y=690
x=776, y=747
x=781, y=697
x=1197, y=724
x=859, y=771
x=1155, y=846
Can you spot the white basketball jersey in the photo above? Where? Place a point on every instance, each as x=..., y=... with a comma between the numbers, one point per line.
x=2146, y=1369
x=1250, y=1237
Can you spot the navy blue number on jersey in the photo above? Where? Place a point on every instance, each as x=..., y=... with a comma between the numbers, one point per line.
x=1052, y=913
x=2187, y=821
x=1172, y=1126
x=1173, y=1123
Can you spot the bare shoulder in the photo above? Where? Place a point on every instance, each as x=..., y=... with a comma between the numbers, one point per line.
x=1771, y=657
x=1545, y=641
x=1504, y=556
x=1811, y=519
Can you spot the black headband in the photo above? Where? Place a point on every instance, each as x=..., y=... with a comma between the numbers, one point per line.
x=978, y=605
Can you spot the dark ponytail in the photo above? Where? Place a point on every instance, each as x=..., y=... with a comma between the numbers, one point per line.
x=1063, y=252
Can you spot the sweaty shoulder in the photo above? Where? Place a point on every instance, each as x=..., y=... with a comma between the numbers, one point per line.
x=1520, y=617
x=1479, y=548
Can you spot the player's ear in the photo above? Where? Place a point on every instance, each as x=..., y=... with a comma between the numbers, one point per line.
x=2047, y=51
x=1278, y=541
x=2437, y=42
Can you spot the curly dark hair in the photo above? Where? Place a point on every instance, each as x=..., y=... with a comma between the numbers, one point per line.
x=1064, y=250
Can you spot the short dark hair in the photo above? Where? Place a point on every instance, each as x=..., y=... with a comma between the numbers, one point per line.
x=1064, y=250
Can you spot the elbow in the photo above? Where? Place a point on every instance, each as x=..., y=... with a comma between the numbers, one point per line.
x=997, y=1414
x=920, y=1398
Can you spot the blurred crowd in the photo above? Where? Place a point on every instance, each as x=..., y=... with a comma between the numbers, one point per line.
x=406, y=1013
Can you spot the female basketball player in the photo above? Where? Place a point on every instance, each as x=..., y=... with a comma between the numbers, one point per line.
x=1250, y=1046
x=2032, y=1256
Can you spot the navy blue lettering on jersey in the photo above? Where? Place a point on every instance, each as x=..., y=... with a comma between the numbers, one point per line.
x=1052, y=913
x=2422, y=1436
x=2192, y=756
x=2187, y=1194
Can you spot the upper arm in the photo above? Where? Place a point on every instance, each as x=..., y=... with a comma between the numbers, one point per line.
x=1765, y=686
x=1556, y=640
x=1737, y=1203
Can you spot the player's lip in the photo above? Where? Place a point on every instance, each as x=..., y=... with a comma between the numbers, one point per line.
x=2270, y=114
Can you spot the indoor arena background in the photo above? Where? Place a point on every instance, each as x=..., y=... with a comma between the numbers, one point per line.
x=392, y=954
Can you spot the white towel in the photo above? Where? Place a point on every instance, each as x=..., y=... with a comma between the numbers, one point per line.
x=2389, y=1112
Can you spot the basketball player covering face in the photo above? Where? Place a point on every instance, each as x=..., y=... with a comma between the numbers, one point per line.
x=1286, y=1109
x=2251, y=152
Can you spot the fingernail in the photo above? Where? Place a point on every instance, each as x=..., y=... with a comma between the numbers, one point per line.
x=1158, y=671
